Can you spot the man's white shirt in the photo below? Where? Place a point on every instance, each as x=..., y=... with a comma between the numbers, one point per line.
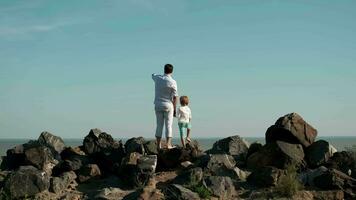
x=165, y=90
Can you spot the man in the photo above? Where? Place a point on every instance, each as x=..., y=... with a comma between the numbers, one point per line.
x=165, y=103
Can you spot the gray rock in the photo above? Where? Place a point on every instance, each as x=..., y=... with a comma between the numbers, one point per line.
x=318, y=153
x=344, y=161
x=292, y=128
x=151, y=147
x=254, y=147
x=265, y=176
x=189, y=177
x=60, y=184
x=111, y=194
x=307, y=177
x=175, y=191
x=136, y=171
x=334, y=179
x=55, y=142
x=233, y=145
x=221, y=187
x=147, y=163
x=26, y=182
x=223, y=165
x=99, y=142
x=88, y=172
x=135, y=145
x=278, y=154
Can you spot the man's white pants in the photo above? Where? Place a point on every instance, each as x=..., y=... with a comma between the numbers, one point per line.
x=164, y=118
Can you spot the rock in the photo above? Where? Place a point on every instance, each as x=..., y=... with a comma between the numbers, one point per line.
x=72, y=160
x=98, y=141
x=278, y=154
x=189, y=177
x=25, y=182
x=111, y=194
x=186, y=164
x=221, y=187
x=88, y=172
x=334, y=179
x=151, y=147
x=52, y=141
x=135, y=145
x=40, y=157
x=223, y=165
x=137, y=169
x=171, y=158
x=291, y=128
x=60, y=184
x=265, y=176
x=103, y=150
x=327, y=195
x=150, y=194
x=220, y=162
x=233, y=145
x=307, y=177
x=174, y=191
x=343, y=161
x=147, y=164
x=318, y=153
x=3, y=175
x=254, y=147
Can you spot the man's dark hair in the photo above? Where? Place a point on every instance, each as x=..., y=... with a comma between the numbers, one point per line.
x=168, y=69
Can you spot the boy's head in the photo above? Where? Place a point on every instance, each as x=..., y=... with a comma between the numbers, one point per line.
x=184, y=100
x=168, y=69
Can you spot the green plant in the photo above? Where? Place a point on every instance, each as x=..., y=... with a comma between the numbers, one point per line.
x=288, y=185
x=202, y=191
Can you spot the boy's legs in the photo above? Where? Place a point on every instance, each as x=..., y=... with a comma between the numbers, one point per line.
x=159, y=127
x=181, y=129
x=188, y=134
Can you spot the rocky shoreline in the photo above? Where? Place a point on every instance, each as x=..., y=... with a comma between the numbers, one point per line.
x=291, y=165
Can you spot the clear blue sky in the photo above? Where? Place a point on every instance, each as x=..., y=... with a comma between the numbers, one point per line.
x=68, y=66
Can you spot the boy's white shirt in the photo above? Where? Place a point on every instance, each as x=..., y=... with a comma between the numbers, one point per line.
x=184, y=114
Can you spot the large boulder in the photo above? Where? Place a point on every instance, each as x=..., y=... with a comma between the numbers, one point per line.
x=137, y=169
x=222, y=165
x=171, y=158
x=72, y=160
x=98, y=141
x=307, y=177
x=89, y=172
x=103, y=150
x=291, y=128
x=233, y=145
x=54, y=142
x=175, y=191
x=334, y=179
x=266, y=176
x=279, y=154
x=344, y=161
x=221, y=187
x=32, y=153
x=135, y=145
x=151, y=147
x=190, y=177
x=26, y=182
x=60, y=184
x=319, y=153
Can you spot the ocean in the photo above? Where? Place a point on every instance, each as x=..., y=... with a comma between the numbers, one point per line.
x=340, y=143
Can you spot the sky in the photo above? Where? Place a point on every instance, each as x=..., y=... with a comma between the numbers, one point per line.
x=69, y=66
